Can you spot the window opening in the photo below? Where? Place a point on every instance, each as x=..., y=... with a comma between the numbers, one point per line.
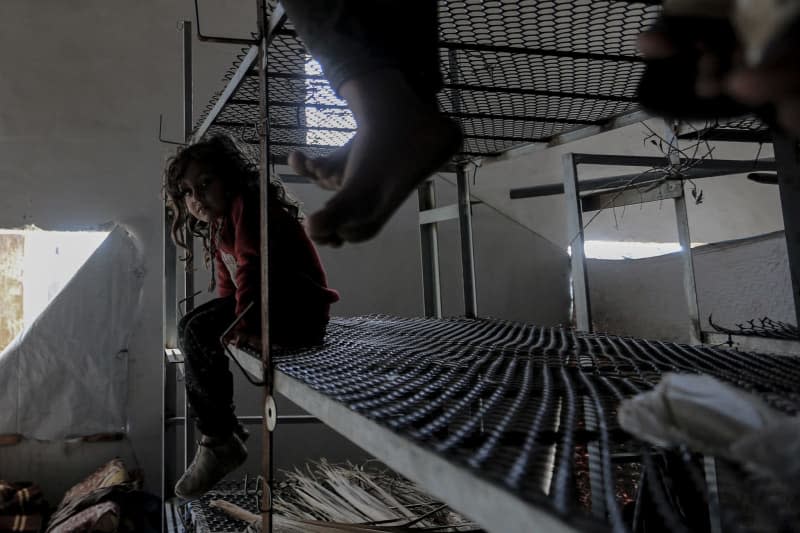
x=318, y=95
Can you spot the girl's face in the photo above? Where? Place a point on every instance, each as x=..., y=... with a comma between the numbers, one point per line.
x=203, y=193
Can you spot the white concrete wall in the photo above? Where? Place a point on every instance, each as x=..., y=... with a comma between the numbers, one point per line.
x=736, y=281
x=83, y=85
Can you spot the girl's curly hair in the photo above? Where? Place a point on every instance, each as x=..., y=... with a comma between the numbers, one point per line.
x=223, y=157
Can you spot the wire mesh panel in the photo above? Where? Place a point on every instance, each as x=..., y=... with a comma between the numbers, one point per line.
x=514, y=72
x=761, y=327
x=534, y=409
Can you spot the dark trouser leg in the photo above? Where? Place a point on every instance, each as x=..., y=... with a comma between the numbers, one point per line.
x=209, y=382
x=354, y=37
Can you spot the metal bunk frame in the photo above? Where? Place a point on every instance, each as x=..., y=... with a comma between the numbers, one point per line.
x=459, y=100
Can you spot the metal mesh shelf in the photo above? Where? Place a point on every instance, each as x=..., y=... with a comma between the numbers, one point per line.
x=520, y=71
x=525, y=410
x=514, y=72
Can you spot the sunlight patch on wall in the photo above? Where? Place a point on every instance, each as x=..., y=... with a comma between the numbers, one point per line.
x=629, y=250
x=35, y=267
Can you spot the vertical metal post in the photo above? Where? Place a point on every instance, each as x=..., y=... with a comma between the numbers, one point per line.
x=467, y=247
x=188, y=111
x=429, y=249
x=169, y=330
x=787, y=158
x=580, y=280
x=685, y=240
x=689, y=284
x=263, y=142
x=464, y=210
x=188, y=274
x=710, y=471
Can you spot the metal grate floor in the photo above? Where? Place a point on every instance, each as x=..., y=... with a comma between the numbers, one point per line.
x=532, y=411
x=205, y=519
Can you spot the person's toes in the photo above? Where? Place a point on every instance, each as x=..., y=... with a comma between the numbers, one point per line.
x=328, y=173
x=756, y=86
x=709, y=78
x=321, y=228
x=656, y=45
x=789, y=115
x=298, y=162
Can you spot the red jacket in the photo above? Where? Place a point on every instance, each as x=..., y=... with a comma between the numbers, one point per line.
x=299, y=298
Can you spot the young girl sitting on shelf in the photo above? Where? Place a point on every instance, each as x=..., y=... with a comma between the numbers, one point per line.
x=213, y=190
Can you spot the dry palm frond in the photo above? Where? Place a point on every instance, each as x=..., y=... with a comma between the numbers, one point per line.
x=326, y=498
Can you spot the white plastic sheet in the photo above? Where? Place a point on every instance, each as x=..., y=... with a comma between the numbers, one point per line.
x=67, y=374
x=716, y=418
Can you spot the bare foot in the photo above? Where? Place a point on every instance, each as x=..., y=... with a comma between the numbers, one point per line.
x=327, y=171
x=400, y=142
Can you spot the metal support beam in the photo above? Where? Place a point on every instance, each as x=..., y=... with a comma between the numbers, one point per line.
x=689, y=283
x=736, y=167
x=464, y=208
x=429, y=249
x=788, y=160
x=266, y=30
x=632, y=196
x=252, y=419
x=710, y=472
x=230, y=89
x=580, y=281
x=685, y=239
x=169, y=328
x=438, y=214
x=188, y=273
x=576, y=134
x=467, y=246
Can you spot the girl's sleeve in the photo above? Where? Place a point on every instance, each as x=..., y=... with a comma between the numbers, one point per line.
x=224, y=283
x=247, y=244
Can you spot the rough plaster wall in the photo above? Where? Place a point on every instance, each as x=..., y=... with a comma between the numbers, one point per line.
x=736, y=281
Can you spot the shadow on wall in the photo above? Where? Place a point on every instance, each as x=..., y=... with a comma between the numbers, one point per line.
x=736, y=281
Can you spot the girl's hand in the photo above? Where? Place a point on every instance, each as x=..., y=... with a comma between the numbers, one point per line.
x=241, y=338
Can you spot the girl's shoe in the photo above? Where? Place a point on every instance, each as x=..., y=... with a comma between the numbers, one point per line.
x=215, y=458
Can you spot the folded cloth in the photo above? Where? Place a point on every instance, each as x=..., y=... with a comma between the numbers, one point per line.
x=21, y=522
x=100, y=518
x=715, y=418
x=111, y=473
x=77, y=505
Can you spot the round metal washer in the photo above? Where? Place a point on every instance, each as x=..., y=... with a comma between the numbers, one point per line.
x=270, y=413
